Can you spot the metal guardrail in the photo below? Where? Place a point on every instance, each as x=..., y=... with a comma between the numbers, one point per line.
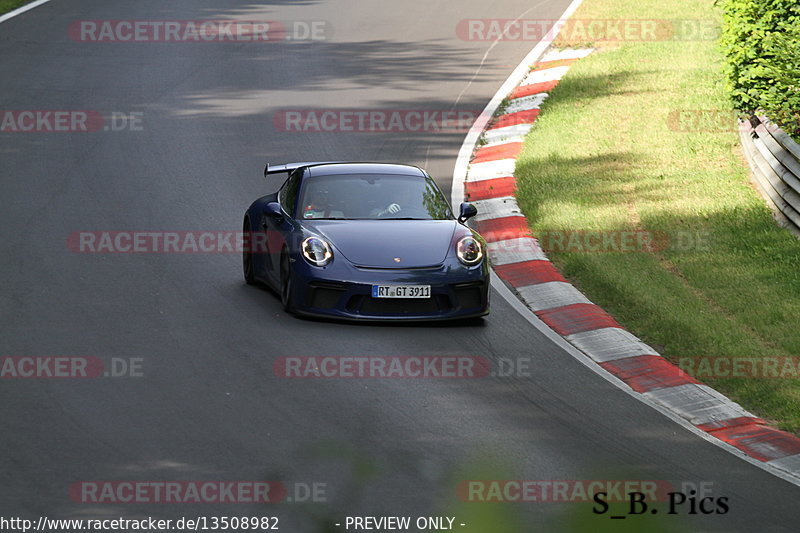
x=775, y=160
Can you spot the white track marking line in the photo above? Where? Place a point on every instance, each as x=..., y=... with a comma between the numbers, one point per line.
x=499, y=168
x=22, y=9
x=544, y=75
x=555, y=55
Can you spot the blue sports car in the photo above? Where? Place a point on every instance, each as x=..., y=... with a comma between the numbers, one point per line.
x=367, y=241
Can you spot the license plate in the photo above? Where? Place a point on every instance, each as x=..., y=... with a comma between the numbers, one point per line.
x=401, y=291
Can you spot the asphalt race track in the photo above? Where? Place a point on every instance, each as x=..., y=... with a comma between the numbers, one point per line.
x=207, y=404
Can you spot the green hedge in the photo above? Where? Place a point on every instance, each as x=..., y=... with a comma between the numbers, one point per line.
x=761, y=40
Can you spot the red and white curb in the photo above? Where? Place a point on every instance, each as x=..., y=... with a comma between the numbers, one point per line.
x=517, y=259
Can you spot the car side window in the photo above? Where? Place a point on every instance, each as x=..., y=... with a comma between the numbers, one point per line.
x=288, y=194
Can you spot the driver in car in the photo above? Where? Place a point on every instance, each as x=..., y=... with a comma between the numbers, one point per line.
x=403, y=199
x=391, y=209
x=323, y=206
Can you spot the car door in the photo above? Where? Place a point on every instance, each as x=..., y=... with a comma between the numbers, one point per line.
x=279, y=226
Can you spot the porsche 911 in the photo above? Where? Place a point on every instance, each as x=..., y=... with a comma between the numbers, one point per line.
x=365, y=241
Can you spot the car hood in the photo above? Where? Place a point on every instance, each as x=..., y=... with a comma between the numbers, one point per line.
x=389, y=243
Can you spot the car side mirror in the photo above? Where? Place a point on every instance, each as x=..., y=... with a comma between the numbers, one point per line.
x=273, y=210
x=467, y=211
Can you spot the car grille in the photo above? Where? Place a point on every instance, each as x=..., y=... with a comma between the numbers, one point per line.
x=330, y=295
x=367, y=305
x=469, y=294
x=324, y=294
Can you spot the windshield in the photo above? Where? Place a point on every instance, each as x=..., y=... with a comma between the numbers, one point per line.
x=375, y=197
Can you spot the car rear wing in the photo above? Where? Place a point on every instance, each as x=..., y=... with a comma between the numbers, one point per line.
x=289, y=167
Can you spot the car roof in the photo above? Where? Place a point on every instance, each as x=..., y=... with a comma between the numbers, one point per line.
x=330, y=169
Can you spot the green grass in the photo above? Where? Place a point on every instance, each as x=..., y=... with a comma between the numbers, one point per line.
x=603, y=156
x=8, y=5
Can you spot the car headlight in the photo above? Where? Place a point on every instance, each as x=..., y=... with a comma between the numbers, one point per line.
x=317, y=251
x=469, y=251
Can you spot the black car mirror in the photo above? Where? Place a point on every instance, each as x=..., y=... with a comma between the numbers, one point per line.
x=467, y=211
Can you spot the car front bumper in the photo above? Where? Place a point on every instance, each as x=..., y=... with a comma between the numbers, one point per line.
x=345, y=292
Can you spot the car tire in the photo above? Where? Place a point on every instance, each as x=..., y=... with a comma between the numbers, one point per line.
x=247, y=256
x=286, y=283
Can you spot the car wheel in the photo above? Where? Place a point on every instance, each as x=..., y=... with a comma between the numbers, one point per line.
x=286, y=283
x=247, y=256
